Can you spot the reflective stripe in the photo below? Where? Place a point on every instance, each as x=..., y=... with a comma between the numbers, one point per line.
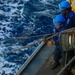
x=54, y=30
x=68, y=20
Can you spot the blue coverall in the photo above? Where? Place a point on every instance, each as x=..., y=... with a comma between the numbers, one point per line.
x=70, y=20
x=57, y=52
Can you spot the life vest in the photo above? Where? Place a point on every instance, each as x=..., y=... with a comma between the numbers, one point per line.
x=72, y=2
x=73, y=5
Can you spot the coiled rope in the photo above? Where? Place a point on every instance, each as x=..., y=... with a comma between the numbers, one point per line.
x=33, y=43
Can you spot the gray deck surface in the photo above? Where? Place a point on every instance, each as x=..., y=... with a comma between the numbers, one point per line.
x=46, y=68
x=38, y=61
x=41, y=63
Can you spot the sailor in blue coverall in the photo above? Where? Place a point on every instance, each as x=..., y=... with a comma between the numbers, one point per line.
x=59, y=25
x=66, y=11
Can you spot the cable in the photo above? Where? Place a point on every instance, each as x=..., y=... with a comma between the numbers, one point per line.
x=35, y=42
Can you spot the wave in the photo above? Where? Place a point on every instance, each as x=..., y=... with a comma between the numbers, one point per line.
x=19, y=18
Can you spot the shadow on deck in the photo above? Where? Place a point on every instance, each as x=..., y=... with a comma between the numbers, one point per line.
x=46, y=68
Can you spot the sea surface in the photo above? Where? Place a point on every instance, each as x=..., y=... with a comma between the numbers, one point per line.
x=23, y=18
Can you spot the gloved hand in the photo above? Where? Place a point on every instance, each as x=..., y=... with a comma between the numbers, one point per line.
x=50, y=43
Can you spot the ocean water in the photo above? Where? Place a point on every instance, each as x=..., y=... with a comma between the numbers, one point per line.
x=19, y=18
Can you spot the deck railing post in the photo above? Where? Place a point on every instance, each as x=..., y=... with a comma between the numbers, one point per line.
x=66, y=66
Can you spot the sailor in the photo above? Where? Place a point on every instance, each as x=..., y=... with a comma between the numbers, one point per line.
x=65, y=9
x=59, y=25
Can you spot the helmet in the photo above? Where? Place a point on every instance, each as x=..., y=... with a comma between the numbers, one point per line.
x=64, y=5
x=59, y=19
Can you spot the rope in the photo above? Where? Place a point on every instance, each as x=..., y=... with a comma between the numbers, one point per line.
x=23, y=47
x=25, y=37
x=20, y=39
x=33, y=43
x=68, y=30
